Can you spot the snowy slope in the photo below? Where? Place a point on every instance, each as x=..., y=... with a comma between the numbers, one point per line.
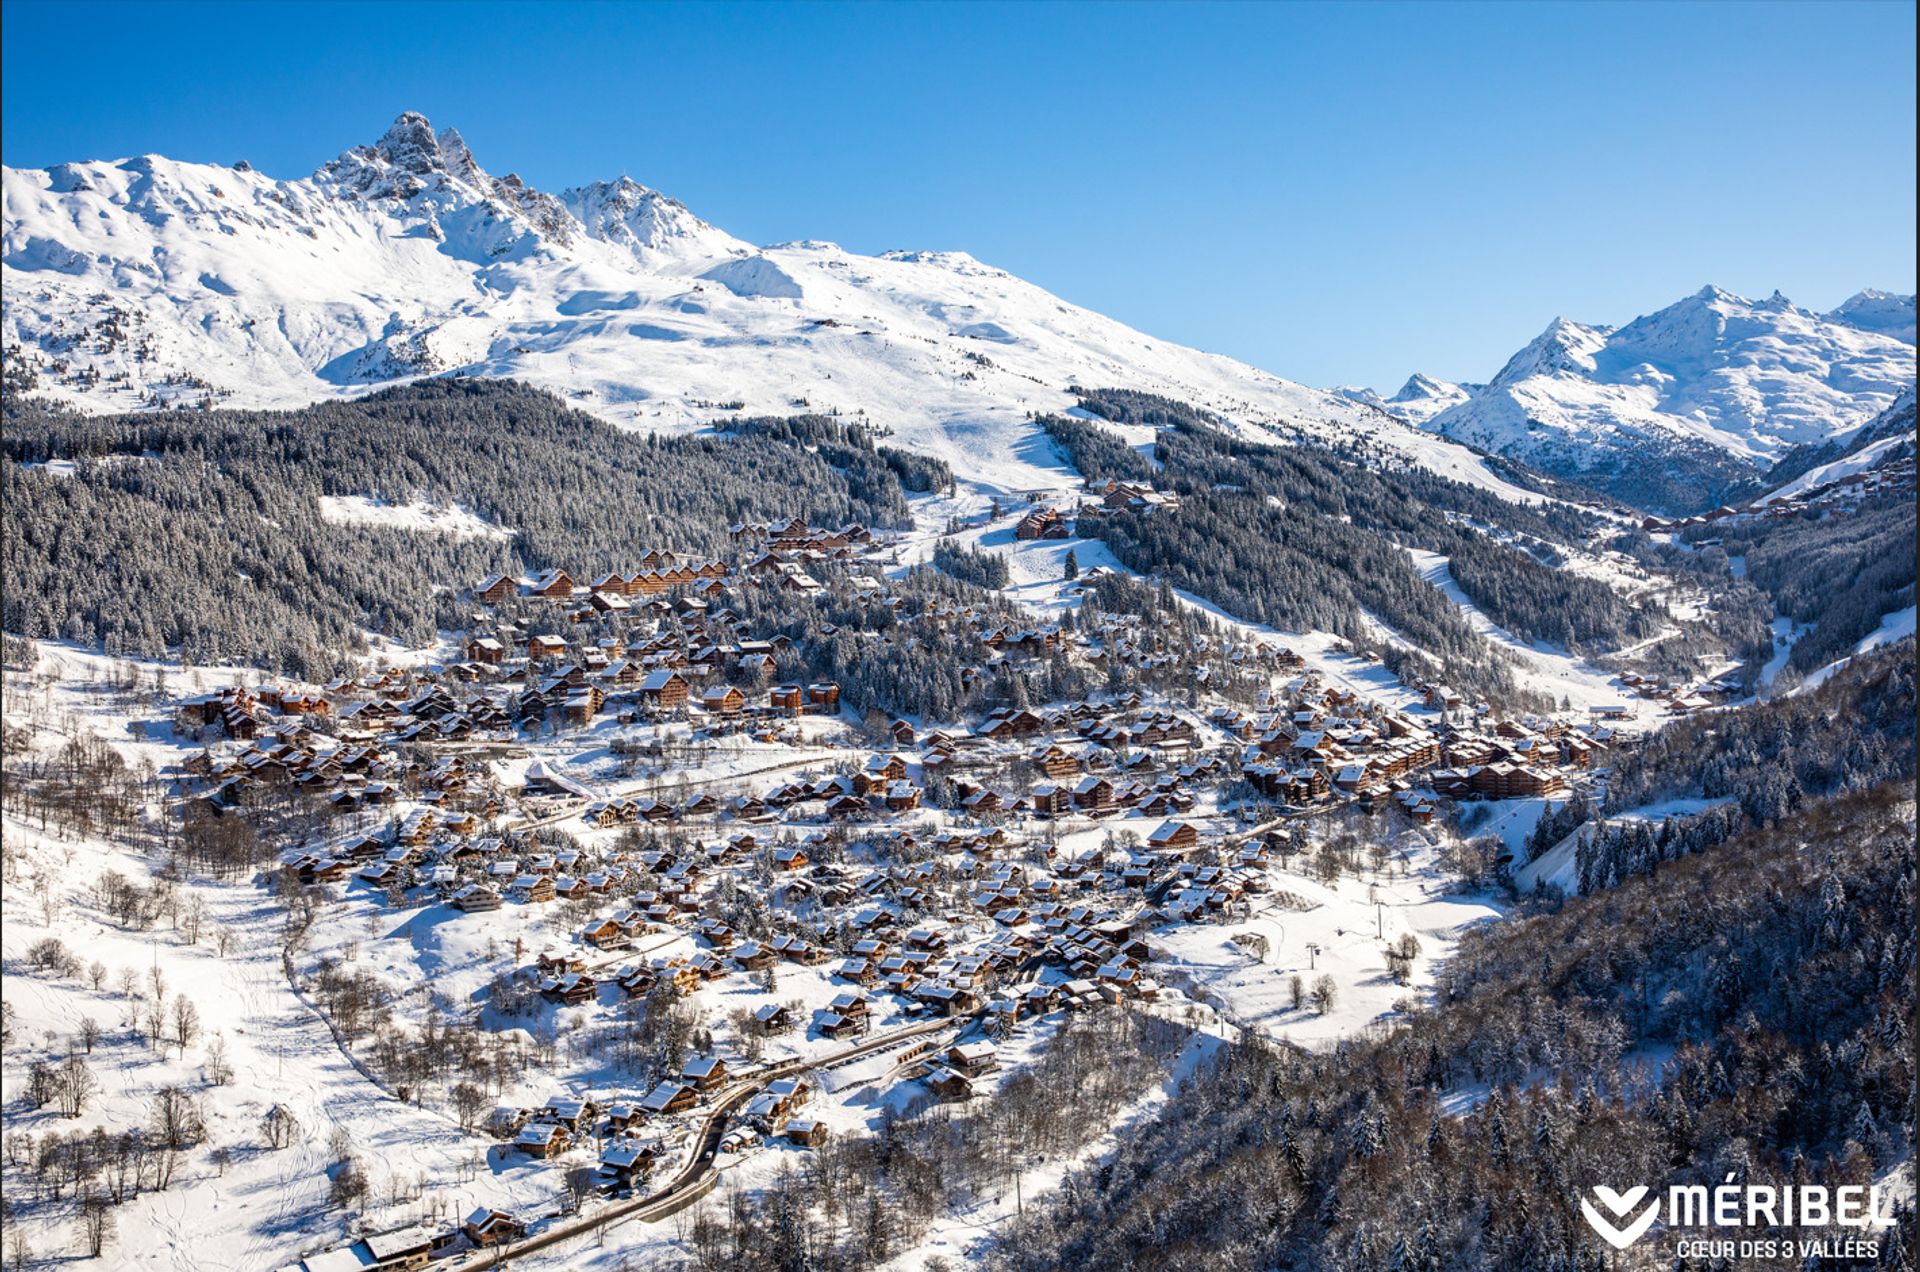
x=147, y=281
x=1884, y=312
x=1866, y=459
x=1715, y=386
x=1887, y=437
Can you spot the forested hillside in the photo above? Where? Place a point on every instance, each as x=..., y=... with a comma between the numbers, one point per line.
x=875, y=475
x=1747, y=1012
x=203, y=534
x=1761, y=764
x=1838, y=575
x=1303, y=538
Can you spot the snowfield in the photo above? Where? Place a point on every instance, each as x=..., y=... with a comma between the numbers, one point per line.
x=424, y=518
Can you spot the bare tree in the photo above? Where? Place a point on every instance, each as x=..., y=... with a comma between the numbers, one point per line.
x=279, y=1126
x=40, y=1084
x=89, y=1031
x=186, y=1022
x=156, y=1020
x=19, y=1253
x=74, y=1085
x=468, y=1101
x=176, y=1118
x=582, y=1183
x=96, y=1223
x=347, y=1184
x=193, y=918
x=218, y=1069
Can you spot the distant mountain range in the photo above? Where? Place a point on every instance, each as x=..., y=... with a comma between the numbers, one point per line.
x=1420, y=399
x=1687, y=406
x=149, y=282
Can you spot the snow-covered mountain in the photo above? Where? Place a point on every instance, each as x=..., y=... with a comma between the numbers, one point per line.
x=1884, y=312
x=1420, y=399
x=1681, y=407
x=149, y=281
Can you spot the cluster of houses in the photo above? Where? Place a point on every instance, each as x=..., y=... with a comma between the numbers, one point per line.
x=1303, y=742
x=263, y=752
x=1521, y=759
x=1315, y=743
x=1678, y=699
x=659, y=572
x=1110, y=495
x=1042, y=522
x=920, y=875
x=1893, y=479
x=1104, y=497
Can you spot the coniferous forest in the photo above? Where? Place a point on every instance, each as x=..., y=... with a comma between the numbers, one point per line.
x=203, y=535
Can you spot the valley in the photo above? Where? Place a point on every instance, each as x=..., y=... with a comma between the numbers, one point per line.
x=540, y=733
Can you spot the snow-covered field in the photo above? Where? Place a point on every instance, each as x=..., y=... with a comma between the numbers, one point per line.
x=1338, y=930
x=423, y=518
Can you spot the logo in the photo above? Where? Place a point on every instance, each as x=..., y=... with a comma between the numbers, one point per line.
x=1620, y=1237
x=1768, y=1210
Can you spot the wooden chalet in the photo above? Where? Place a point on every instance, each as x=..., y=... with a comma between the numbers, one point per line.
x=664, y=690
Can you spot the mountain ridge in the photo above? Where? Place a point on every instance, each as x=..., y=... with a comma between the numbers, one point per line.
x=1689, y=405
x=150, y=282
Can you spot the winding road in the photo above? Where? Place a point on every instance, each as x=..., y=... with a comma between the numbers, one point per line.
x=698, y=1176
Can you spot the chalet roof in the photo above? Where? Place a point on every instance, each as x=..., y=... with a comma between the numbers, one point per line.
x=538, y=1133
x=657, y=1099
x=487, y=1217
x=346, y=1259
x=623, y=1153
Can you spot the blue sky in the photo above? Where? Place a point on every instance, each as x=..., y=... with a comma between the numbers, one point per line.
x=1340, y=194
